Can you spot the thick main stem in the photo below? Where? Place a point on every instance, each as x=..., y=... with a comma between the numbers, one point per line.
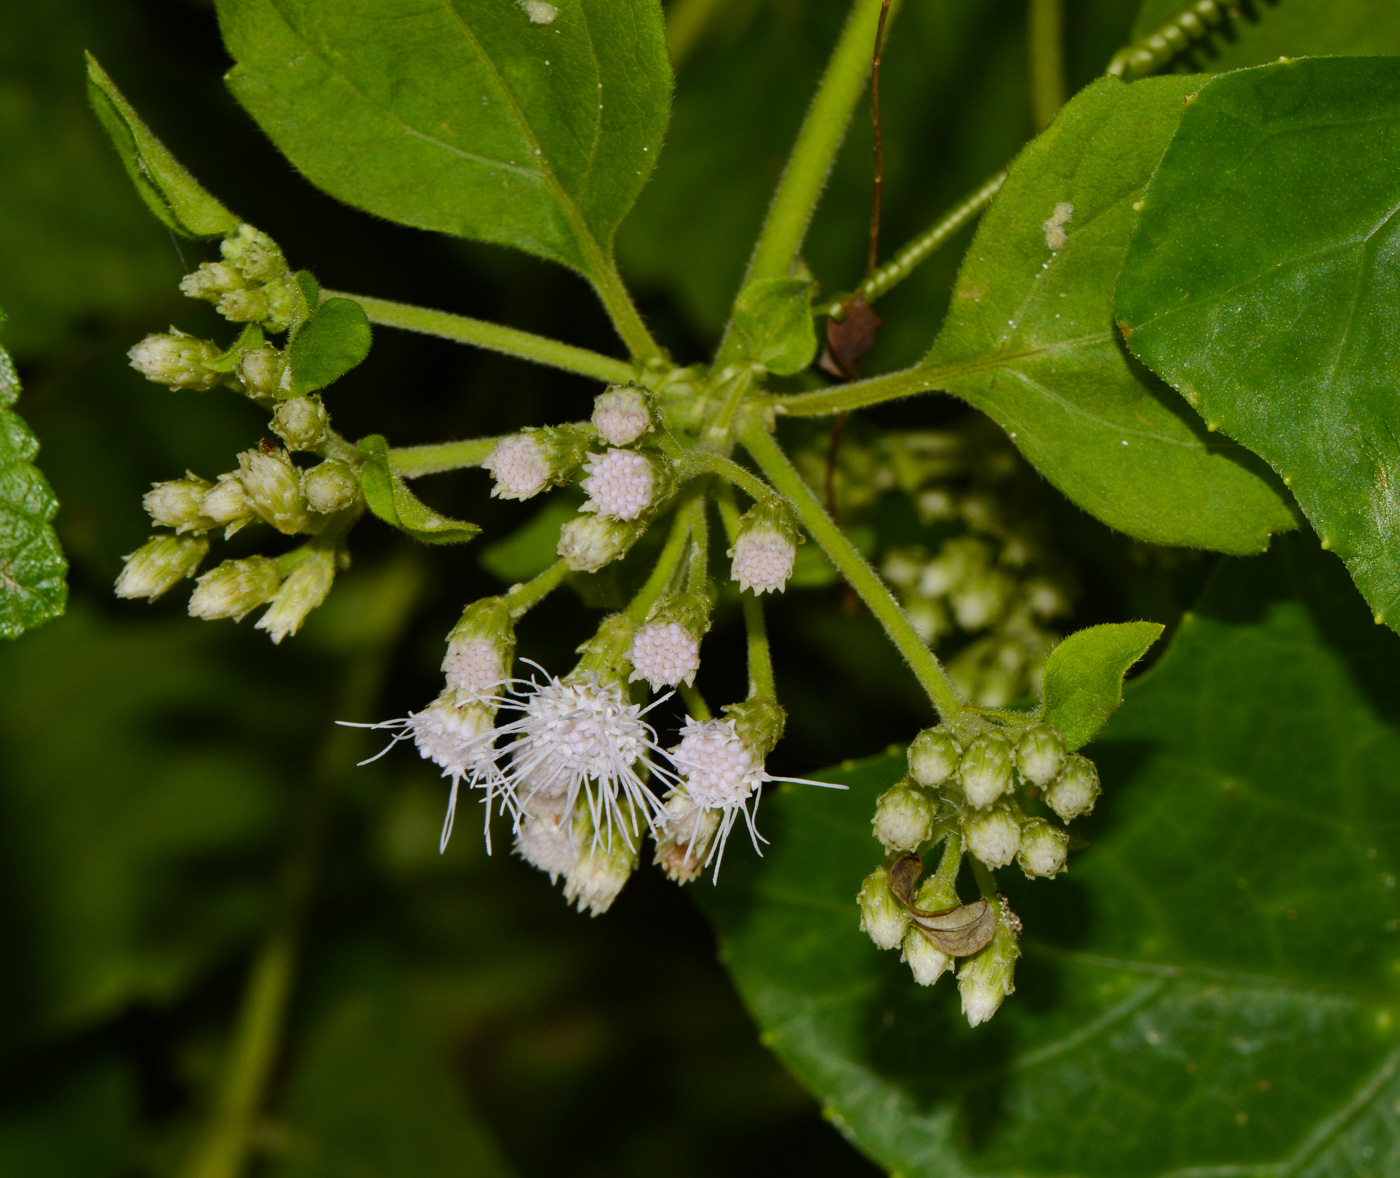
x=862, y=578
x=1047, y=58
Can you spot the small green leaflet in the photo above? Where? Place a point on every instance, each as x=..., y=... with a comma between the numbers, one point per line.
x=1264, y=284
x=1030, y=337
x=172, y=193
x=32, y=565
x=1083, y=683
x=390, y=499
x=533, y=126
x=774, y=316
x=328, y=345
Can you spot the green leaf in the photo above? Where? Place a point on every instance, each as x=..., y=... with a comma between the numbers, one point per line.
x=33, y=585
x=328, y=345
x=1211, y=989
x=1030, y=337
x=167, y=188
x=479, y=120
x=390, y=499
x=774, y=316
x=1262, y=284
x=1293, y=28
x=1083, y=683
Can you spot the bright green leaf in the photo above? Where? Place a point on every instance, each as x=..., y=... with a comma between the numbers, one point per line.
x=171, y=192
x=1083, y=683
x=775, y=318
x=328, y=345
x=1210, y=990
x=1030, y=337
x=1263, y=284
x=390, y=499
x=33, y=585
x=486, y=121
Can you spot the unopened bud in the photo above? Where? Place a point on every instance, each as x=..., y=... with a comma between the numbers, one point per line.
x=211, y=282
x=993, y=836
x=1040, y=754
x=253, y=254
x=1074, y=792
x=621, y=415
x=603, y=865
x=882, y=918
x=301, y=422
x=933, y=757
x=227, y=503
x=331, y=486
x=160, y=565
x=234, y=589
x=177, y=503
x=765, y=550
x=274, y=488
x=533, y=460
x=623, y=484
x=666, y=650
x=261, y=371
x=903, y=817
x=588, y=542
x=454, y=731
x=303, y=590
x=926, y=960
x=688, y=832
x=545, y=835
x=986, y=979
x=1043, y=849
x=177, y=360
x=985, y=770
x=480, y=648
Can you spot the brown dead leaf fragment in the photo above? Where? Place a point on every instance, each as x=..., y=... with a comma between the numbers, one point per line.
x=847, y=341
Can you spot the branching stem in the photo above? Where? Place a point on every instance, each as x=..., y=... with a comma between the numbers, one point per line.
x=521, y=599
x=414, y=461
x=709, y=462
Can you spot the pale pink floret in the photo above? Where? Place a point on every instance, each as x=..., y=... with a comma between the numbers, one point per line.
x=763, y=560
x=665, y=655
x=620, y=484
x=520, y=464
x=474, y=666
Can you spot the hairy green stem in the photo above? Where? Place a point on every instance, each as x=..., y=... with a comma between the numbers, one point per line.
x=761, y=681
x=493, y=336
x=414, y=461
x=664, y=571
x=861, y=393
x=948, y=865
x=708, y=462
x=1047, y=59
x=808, y=166
x=695, y=703
x=845, y=556
x=987, y=885
x=617, y=301
x=521, y=599
x=698, y=568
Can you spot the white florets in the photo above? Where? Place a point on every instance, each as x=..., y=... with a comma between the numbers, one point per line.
x=544, y=837
x=665, y=655
x=620, y=484
x=718, y=767
x=621, y=416
x=994, y=837
x=926, y=961
x=520, y=466
x=763, y=560
x=474, y=665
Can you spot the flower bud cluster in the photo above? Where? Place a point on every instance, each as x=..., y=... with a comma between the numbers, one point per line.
x=251, y=284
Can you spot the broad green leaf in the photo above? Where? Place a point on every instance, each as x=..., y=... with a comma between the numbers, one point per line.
x=167, y=188
x=1265, y=32
x=1263, y=284
x=774, y=316
x=1212, y=987
x=328, y=345
x=1030, y=337
x=527, y=125
x=33, y=585
x=1083, y=683
x=390, y=499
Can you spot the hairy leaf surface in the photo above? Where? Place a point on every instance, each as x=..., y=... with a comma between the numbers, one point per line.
x=1083, y=682
x=1030, y=337
x=1263, y=284
x=334, y=340
x=390, y=499
x=480, y=119
x=1210, y=989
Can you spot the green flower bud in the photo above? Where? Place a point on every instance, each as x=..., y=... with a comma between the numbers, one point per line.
x=331, y=486
x=882, y=918
x=244, y=306
x=177, y=360
x=303, y=590
x=178, y=503
x=988, y=977
x=622, y=415
x=993, y=836
x=985, y=770
x=588, y=542
x=480, y=648
x=687, y=836
x=160, y=564
x=227, y=503
x=211, y=282
x=261, y=370
x=234, y=589
x=1043, y=849
x=933, y=757
x=1040, y=754
x=274, y=489
x=301, y=422
x=903, y=818
x=1074, y=792
x=253, y=254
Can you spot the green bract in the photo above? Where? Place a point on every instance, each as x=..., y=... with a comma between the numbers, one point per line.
x=1084, y=677
x=388, y=496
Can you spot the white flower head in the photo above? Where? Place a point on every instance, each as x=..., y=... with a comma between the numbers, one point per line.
x=520, y=465
x=480, y=648
x=620, y=484
x=544, y=836
x=588, y=542
x=765, y=549
x=1076, y=789
x=993, y=836
x=683, y=845
x=665, y=654
x=621, y=415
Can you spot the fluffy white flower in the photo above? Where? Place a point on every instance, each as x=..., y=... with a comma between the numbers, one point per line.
x=763, y=560
x=520, y=465
x=621, y=484
x=664, y=654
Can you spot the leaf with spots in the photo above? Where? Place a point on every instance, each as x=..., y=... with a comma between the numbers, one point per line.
x=1211, y=989
x=1030, y=337
x=33, y=587
x=1263, y=284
